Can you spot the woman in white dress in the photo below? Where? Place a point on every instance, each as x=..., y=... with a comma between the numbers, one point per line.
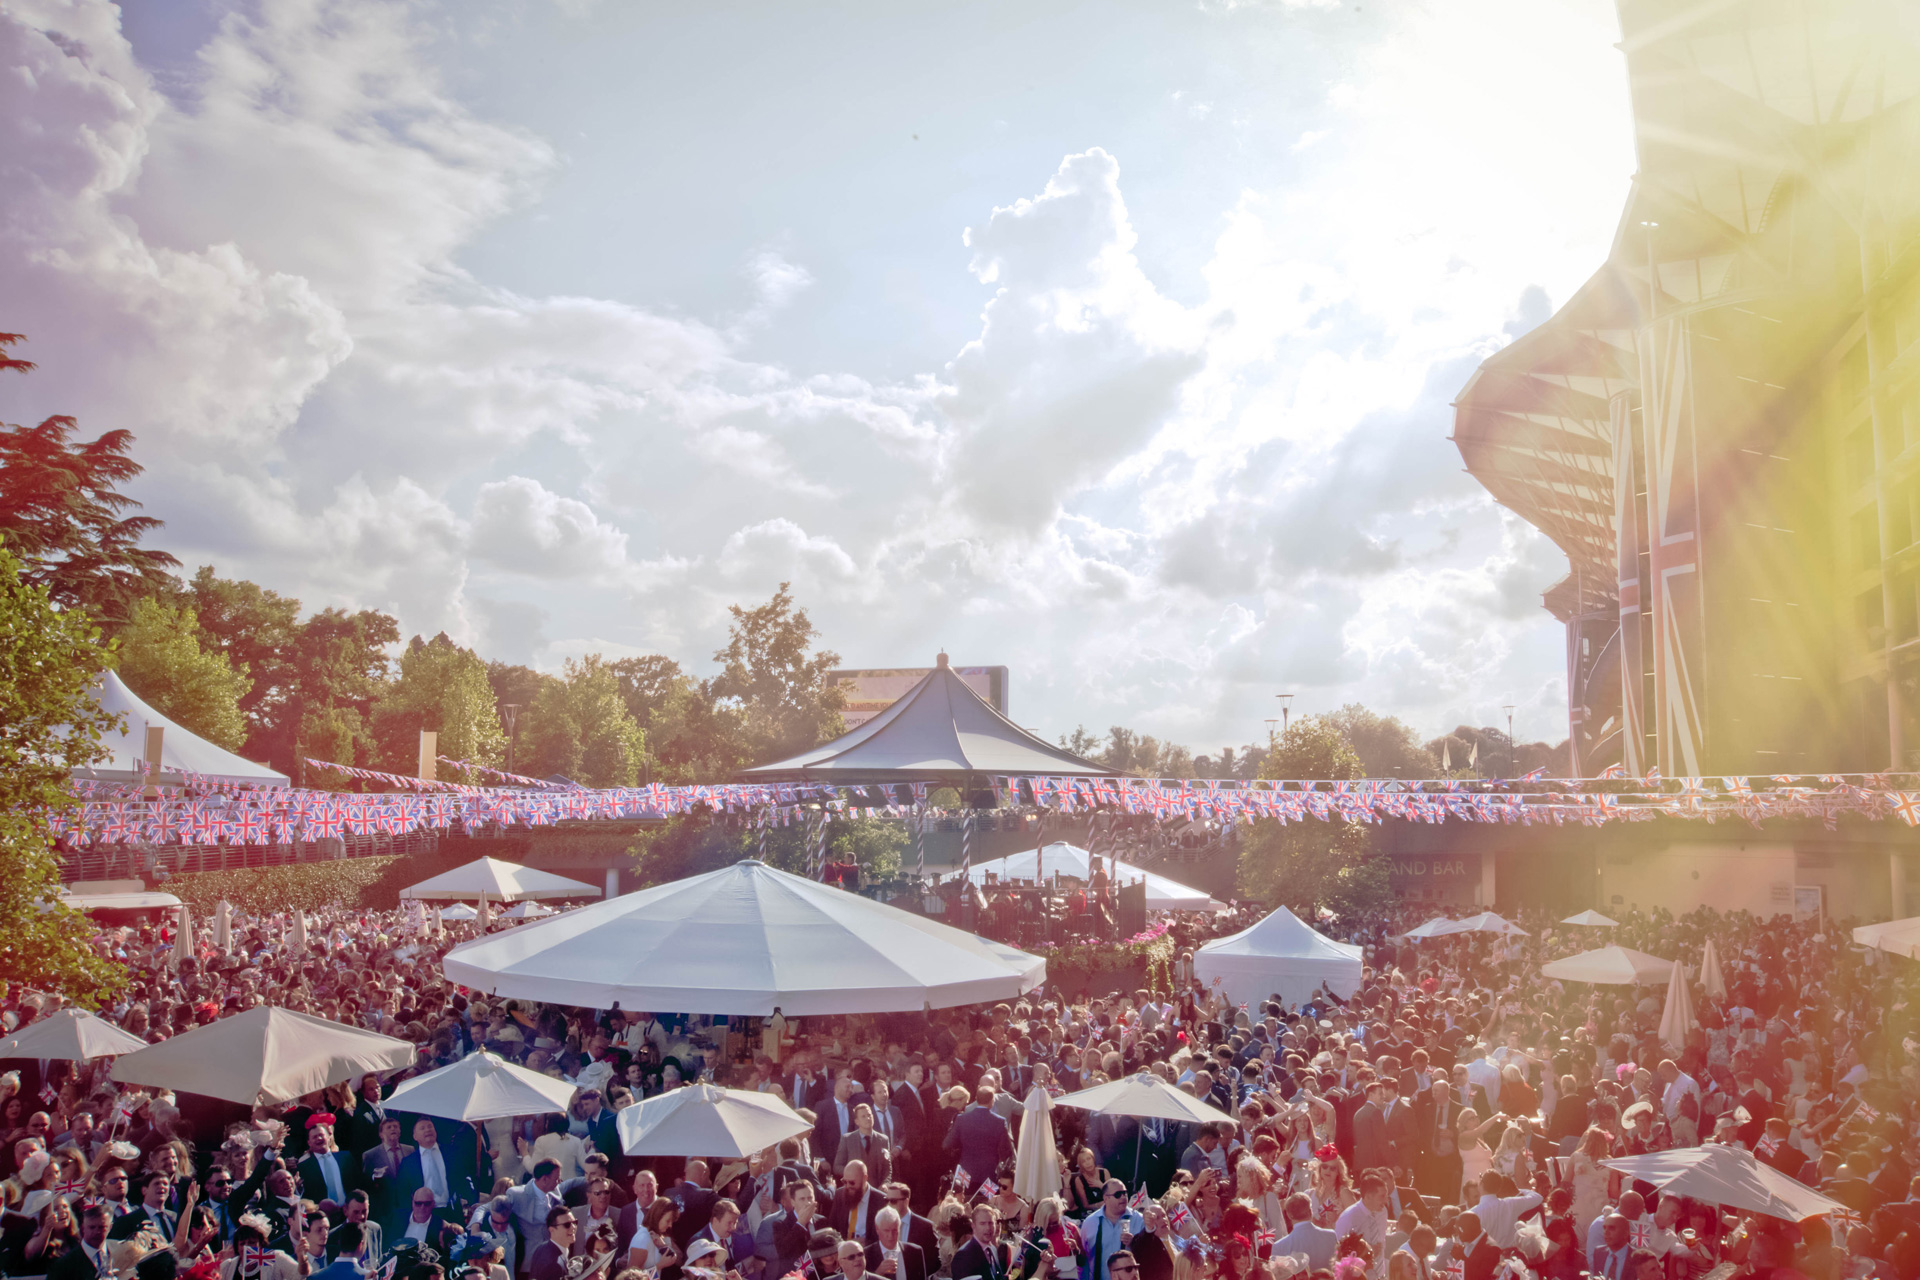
x=1591, y=1179
x=1475, y=1157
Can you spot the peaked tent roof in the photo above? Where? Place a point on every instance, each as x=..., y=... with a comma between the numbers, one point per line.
x=501, y=882
x=1062, y=859
x=181, y=751
x=938, y=731
x=1282, y=933
x=1281, y=955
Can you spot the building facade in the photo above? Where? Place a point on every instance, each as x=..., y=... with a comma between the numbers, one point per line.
x=1721, y=428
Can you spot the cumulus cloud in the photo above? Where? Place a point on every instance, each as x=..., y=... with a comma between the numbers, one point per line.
x=1157, y=505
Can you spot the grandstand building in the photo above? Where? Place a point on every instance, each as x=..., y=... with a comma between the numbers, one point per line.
x=1721, y=428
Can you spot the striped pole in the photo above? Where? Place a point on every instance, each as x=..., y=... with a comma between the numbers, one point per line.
x=763, y=837
x=966, y=841
x=920, y=841
x=820, y=848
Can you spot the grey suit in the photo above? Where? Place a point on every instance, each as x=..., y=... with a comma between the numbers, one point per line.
x=1318, y=1243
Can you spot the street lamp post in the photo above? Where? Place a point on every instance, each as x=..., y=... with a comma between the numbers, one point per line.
x=1512, y=764
x=1271, y=745
x=510, y=712
x=1286, y=701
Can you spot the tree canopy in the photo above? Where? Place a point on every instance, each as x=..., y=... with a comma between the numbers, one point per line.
x=49, y=726
x=63, y=515
x=162, y=661
x=1312, y=863
x=444, y=688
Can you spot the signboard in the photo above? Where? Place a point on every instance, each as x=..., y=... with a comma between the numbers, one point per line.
x=1447, y=878
x=871, y=690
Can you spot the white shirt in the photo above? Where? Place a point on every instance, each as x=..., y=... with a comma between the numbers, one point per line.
x=433, y=1171
x=1500, y=1216
x=1372, y=1228
x=1682, y=1085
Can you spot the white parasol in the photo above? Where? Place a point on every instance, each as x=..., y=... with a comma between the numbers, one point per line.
x=1728, y=1176
x=264, y=1055
x=706, y=1120
x=71, y=1035
x=1712, y=984
x=482, y=1086
x=1676, y=1019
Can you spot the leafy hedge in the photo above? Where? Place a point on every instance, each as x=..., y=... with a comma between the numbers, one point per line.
x=347, y=882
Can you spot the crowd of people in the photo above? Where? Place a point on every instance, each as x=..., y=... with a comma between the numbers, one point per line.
x=1450, y=1118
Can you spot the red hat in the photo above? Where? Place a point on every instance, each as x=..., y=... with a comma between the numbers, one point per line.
x=319, y=1118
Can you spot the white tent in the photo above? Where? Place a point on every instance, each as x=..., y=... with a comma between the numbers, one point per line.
x=1486, y=922
x=745, y=940
x=1063, y=859
x=1438, y=927
x=181, y=751
x=1901, y=937
x=527, y=911
x=1592, y=919
x=1610, y=966
x=1279, y=955
x=459, y=911
x=496, y=881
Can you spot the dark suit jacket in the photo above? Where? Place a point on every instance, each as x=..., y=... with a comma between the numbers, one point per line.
x=980, y=1141
x=840, y=1212
x=872, y=1151
x=1372, y=1148
x=547, y=1262
x=919, y=1230
x=913, y=1261
x=1403, y=1132
x=970, y=1259
x=438, y=1226
x=460, y=1176
x=826, y=1126
x=313, y=1184
x=73, y=1264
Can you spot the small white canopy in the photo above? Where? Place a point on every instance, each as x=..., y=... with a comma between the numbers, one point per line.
x=745, y=940
x=1063, y=859
x=482, y=1086
x=181, y=750
x=1486, y=922
x=1901, y=937
x=1146, y=1095
x=71, y=1035
x=1609, y=966
x=459, y=911
x=1438, y=927
x=1728, y=1176
x=1279, y=955
x=1592, y=919
x=264, y=1055
x=528, y=911
x=489, y=879
x=706, y=1120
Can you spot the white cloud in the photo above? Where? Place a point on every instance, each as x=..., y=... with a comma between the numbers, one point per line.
x=1159, y=502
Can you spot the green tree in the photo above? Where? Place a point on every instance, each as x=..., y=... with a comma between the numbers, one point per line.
x=579, y=726
x=64, y=517
x=1386, y=746
x=514, y=689
x=444, y=688
x=50, y=725
x=314, y=680
x=1307, y=864
x=771, y=675
x=162, y=661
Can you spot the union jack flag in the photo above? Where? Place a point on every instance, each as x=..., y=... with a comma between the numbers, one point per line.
x=1613, y=772
x=1906, y=804
x=1736, y=786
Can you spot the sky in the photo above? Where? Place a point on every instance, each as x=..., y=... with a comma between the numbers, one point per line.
x=1113, y=343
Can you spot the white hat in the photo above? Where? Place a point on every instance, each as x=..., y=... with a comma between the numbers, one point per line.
x=34, y=1167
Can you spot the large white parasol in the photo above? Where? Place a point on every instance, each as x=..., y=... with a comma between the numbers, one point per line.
x=491, y=880
x=706, y=1120
x=72, y=1035
x=482, y=1086
x=264, y=1055
x=1728, y=1176
x=1609, y=966
x=745, y=940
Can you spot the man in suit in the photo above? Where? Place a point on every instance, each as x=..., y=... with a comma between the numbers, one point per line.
x=1317, y=1243
x=363, y=1125
x=889, y=1121
x=890, y=1255
x=917, y=1228
x=1476, y=1254
x=984, y=1256
x=1440, y=1171
x=1403, y=1133
x=979, y=1140
x=431, y=1165
x=352, y=1261
x=835, y=1117
x=548, y=1261
x=855, y=1205
x=803, y=1086
x=781, y=1238
x=325, y=1172
x=87, y=1260
x=864, y=1145
x=591, y=1120
x=154, y=1186
x=426, y=1223
x=1372, y=1147
x=1199, y=1152
x=381, y=1166
x=358, y=1214
x=696, y=1200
